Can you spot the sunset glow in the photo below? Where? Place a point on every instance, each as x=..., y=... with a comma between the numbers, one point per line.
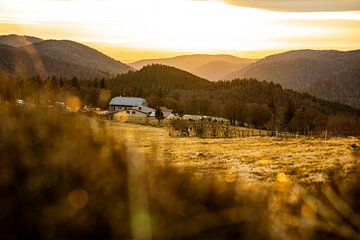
x=179, y=26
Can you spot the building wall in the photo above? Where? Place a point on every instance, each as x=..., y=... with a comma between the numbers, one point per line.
x=130, y=116
x=119, y=108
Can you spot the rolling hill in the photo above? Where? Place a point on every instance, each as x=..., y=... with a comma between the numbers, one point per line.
x=29, y=56
x=317, y=72
x=212, y=67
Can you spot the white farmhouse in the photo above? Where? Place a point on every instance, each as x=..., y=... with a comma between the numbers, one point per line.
x=124, y=103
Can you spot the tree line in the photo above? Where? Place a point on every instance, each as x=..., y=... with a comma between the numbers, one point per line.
x=245, y=102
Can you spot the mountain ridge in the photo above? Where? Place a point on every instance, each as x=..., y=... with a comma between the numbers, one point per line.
x=14, y=40
x=19, y=63
x=62, y=58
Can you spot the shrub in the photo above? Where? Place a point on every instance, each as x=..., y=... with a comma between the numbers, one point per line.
x=182, y=126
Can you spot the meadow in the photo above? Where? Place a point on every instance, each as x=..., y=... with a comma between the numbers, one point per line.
x=68, y=176
x=249, y=159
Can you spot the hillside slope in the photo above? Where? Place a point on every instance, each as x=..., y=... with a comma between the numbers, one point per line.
x=79, y=54
x=217, y=70
x=153, y=77
x=303, y=70
x=18, y=62
x=343, y=87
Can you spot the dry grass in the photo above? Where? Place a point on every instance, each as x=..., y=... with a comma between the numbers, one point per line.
x=62, y=179
x=251, y=159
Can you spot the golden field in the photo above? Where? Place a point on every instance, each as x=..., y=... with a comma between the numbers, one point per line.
x=251, y=159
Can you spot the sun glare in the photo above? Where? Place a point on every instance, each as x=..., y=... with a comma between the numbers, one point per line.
x=178, y=25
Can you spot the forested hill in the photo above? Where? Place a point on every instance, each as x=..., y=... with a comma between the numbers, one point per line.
x=180, y=90
x=157, y=76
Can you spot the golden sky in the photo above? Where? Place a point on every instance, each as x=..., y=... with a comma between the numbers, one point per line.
x=134, y=29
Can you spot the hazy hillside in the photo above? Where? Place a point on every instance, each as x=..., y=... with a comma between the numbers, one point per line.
x=18, y=41
x=304, y=70
x=212, y=67
x=79, y=54
x=18, y=62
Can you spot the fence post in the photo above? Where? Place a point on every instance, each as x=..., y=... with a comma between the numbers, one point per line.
x=276, y=133
x=326, y=133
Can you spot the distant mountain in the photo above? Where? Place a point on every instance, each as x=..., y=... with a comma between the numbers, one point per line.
x=18, y=62
x=18, y=41
x=212, y=67
x=76, y=53
x=317, y=72
x=28, y=56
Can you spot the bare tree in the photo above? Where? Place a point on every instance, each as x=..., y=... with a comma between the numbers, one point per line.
x=215, y=128
x=182, y=126
x=199, y=128
x=228, y=130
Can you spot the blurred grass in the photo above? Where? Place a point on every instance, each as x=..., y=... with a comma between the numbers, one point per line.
x=61, y=180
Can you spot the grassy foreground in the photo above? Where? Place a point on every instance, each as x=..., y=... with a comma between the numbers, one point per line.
x=65, y=177
x=252, y=159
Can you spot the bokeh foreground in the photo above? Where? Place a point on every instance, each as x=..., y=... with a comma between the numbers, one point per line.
x=61, y=180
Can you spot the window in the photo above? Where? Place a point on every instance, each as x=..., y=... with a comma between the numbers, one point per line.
x=128, y=112
x=139, y=108
x=133, y=112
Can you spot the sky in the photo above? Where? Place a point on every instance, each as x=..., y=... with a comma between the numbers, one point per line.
x=130, y=30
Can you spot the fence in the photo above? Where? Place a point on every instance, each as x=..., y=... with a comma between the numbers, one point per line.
x=228, y=131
